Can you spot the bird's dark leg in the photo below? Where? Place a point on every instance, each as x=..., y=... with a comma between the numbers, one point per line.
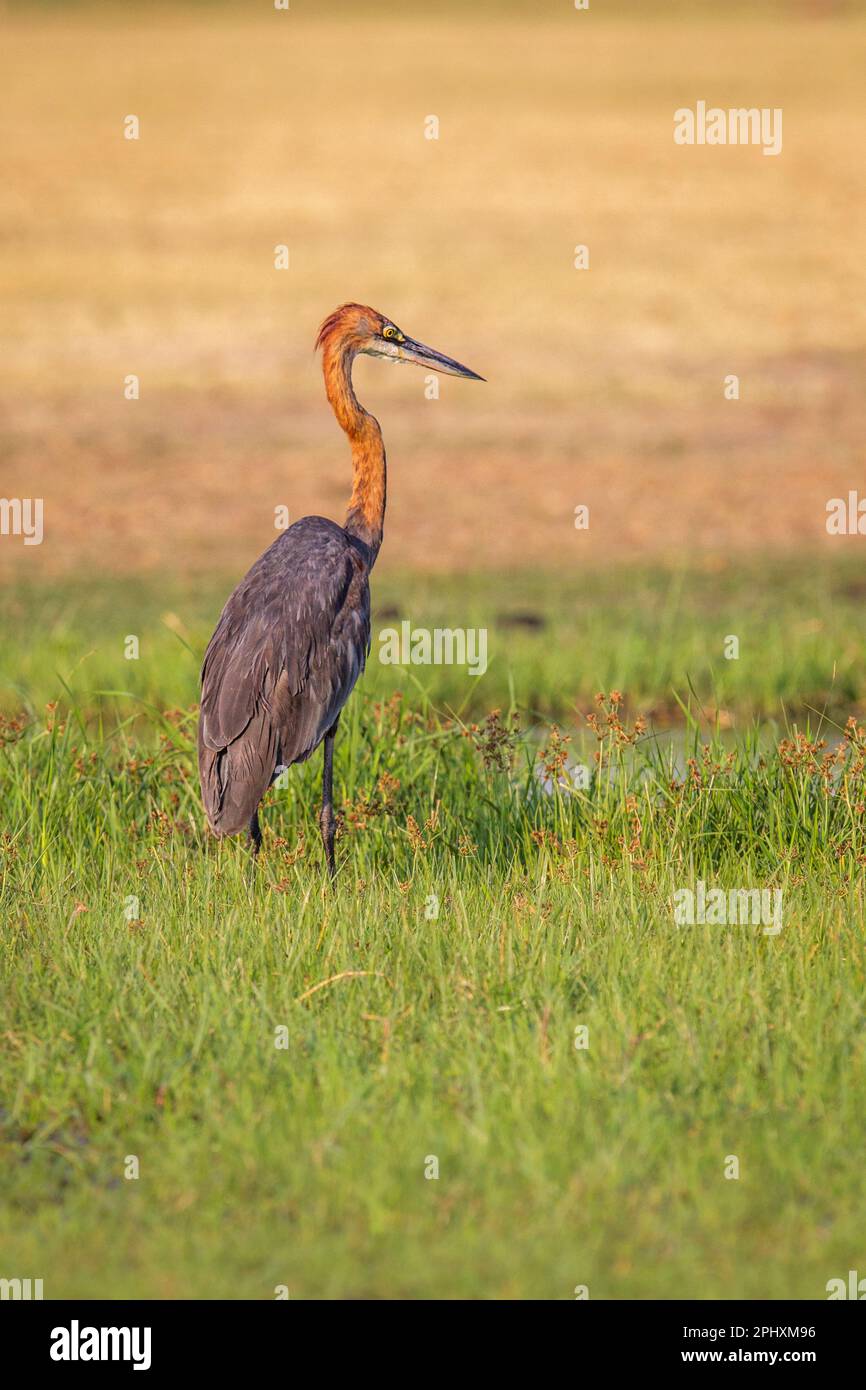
x=255, y=833
x=326, y=819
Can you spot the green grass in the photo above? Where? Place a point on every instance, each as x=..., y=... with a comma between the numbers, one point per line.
x=146, y=969
x=553, y=640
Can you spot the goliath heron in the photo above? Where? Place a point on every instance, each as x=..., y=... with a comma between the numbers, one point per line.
x=294, y=636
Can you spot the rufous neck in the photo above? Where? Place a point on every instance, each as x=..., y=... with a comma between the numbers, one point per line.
x=366, y=514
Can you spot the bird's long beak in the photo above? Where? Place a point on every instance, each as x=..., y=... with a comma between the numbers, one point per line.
x=411, y=351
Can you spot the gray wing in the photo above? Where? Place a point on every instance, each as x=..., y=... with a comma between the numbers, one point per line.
x=290, y=645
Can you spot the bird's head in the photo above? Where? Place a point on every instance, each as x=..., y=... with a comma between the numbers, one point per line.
x=355, y=328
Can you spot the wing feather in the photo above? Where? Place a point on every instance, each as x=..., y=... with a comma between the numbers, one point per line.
x=289, y=646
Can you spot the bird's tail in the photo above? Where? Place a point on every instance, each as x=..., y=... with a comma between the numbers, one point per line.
x=234, y=779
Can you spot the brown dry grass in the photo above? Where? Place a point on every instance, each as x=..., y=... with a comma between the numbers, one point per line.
x=604, y=387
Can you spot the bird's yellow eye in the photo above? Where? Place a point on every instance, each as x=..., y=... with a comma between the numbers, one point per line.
x=391, y=332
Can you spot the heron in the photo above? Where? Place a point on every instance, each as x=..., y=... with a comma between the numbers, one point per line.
x=293, y=638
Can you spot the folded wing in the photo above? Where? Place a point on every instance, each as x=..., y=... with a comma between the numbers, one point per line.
x=290, y=645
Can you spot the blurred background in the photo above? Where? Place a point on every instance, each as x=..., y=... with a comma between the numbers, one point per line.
x=306, y=128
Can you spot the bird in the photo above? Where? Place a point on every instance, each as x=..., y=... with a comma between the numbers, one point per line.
x=294, y=636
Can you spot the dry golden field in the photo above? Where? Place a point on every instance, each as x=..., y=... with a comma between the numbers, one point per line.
x=155, y=257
